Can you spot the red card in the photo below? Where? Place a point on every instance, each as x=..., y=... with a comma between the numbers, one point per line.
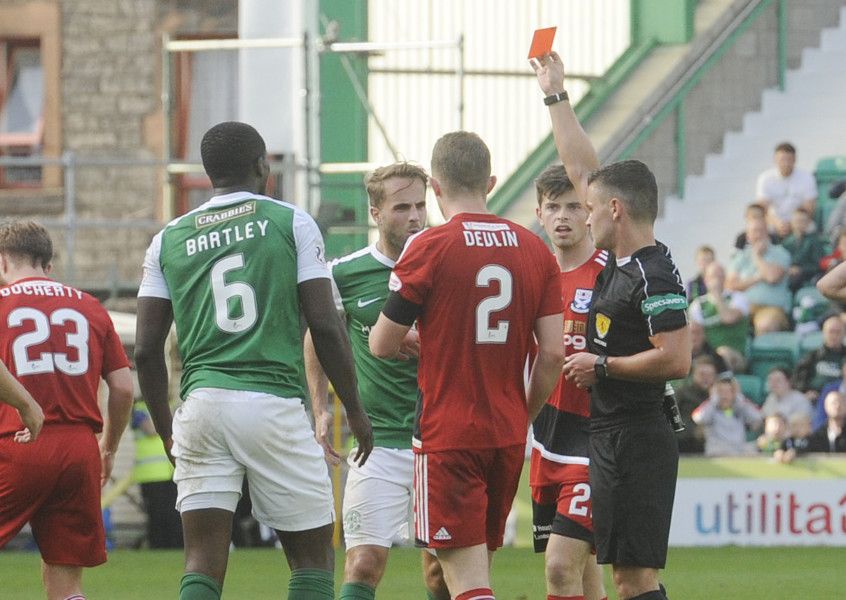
x=542, y=42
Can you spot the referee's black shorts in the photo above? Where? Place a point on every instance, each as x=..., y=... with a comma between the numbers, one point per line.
x=633, y=470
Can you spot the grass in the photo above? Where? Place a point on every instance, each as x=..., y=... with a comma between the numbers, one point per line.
x=693, y=574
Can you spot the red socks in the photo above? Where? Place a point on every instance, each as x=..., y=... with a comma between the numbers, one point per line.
x=477, y=594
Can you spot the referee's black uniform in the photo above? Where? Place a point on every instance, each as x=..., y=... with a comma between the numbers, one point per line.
x=633, y=450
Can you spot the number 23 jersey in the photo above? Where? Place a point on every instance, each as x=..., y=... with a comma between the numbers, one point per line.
x=481, y=282
x=58, y=342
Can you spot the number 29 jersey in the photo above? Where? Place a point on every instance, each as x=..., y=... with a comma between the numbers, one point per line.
x=481, y=283
x=58, y=342
x=230, y=269
x=561, y=429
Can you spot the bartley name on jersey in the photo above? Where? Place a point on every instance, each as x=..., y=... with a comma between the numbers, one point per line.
x=226, y=237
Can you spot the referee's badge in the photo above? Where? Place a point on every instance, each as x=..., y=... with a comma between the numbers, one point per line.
x=603, y=324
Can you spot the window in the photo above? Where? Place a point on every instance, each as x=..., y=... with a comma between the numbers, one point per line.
x=21, y=109
x=206, y=94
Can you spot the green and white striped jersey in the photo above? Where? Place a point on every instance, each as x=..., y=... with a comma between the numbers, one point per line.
x=388, y=388
x=231, y=268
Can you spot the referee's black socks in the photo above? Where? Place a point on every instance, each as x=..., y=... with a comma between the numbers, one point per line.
x=653, y=595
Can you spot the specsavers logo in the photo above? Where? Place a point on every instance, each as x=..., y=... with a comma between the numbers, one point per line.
x=655, y=305
x=603, y=324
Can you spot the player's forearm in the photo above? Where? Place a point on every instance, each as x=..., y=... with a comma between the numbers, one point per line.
x=332, y=348
x=119, y=407
x=573, y=145
x=655, y=365
x=545, y=374
x=153, y=379
x=12, y=392
x=318, y=383
x=833, y=284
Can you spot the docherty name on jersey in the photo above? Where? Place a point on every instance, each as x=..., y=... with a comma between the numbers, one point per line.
x=489, y=235
x=41, y=289
x=226, y=237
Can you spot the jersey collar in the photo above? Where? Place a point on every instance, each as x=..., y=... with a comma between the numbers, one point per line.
x=231, y=198
x=374, y=252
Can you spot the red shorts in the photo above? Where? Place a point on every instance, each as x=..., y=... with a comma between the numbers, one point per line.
x=564, y=507
x=462, y=497
x=54, y=484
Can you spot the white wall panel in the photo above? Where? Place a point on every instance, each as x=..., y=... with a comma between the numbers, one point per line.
x=505, y=110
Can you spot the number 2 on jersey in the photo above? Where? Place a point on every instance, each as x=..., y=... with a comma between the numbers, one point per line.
x=485, y=334
x=48, y=362
x=237, y=291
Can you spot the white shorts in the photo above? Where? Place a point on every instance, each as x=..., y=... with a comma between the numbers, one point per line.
x=219, y=436
x=378, y=499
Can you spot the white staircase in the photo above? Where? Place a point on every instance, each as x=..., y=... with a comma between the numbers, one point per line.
x=810, y=113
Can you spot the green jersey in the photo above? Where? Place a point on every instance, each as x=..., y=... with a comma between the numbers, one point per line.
x=230, y=269
x=388, y=388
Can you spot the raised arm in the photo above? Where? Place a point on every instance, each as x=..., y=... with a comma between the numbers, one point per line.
x=155, y=316
x=332, y=348
x=571, y=141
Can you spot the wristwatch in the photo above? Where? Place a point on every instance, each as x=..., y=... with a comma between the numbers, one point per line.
x=600, y=367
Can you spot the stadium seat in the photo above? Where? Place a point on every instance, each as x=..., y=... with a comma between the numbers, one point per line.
x=810, y=341
x=809, y=305
x=752, y=387
x=779, y=348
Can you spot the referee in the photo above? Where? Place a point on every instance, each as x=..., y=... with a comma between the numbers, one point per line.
x=637, y=340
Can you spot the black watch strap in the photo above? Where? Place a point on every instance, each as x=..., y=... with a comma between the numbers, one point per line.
x=556, y=98
x=600, y=367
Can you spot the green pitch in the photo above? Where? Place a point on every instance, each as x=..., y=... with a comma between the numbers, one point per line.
x=692, y=574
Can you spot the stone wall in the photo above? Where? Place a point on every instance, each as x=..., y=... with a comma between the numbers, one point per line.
x=110, y=107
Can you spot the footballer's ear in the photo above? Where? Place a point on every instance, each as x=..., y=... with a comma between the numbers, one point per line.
x=375, y=213
x=436, y=186
x=491, y=183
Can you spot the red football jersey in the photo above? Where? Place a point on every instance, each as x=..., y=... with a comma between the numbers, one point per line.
x=58, y=342
x=560, y=431
x=481, y=282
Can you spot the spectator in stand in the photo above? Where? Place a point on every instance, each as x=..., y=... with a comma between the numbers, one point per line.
x=726, y=416
x=782, y=398
x=693, y=392
x=837, y=219
x=823, y=365
x=775, y=433
x=760, y=271
x=799, y=428
x=725, y=317
x=700, y=347
x=829, y=261
x=806, y=250
x=784, y=188
x=818, y=413
x=831, y=437
x=696, y=286
x=753, y=212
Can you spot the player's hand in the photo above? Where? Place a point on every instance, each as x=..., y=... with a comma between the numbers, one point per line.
x=107, y=462
x=549, y=69
x=33, y=419
x=579, y=369
x=168, y=446
x=410, y=347
x=360, y=426
x=322, y=427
